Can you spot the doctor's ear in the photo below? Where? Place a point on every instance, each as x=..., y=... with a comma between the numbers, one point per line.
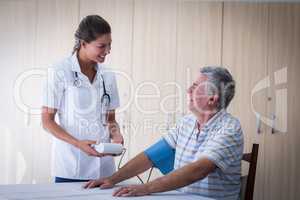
x=83, y=43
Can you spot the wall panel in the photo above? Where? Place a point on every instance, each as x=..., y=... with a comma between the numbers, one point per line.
x=154, y=62
x=199, y=33
x=282, y=147
x=245, y=54
x=17, y=54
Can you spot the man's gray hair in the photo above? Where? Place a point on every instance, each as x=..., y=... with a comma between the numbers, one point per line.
x=221, y=82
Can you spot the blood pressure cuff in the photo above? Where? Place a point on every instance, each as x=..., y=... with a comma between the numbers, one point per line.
x=162, y=156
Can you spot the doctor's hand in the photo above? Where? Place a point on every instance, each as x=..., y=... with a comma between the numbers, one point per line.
x=104, y=183
x=132, y=190
x=85, y=146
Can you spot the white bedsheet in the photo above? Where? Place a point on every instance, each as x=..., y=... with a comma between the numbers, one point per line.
x=68, y=191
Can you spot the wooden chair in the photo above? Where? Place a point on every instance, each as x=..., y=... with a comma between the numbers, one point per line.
x=252, y=159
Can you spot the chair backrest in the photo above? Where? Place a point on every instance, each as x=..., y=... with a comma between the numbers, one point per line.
x=252, y=159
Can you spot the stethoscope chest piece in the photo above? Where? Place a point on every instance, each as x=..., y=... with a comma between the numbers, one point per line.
x=77, y=82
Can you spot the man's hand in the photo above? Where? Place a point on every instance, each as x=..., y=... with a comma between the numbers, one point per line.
x=101, y=183
x=131, y=190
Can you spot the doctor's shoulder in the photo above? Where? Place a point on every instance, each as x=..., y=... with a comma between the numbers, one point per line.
x=60, y=69
x=108, y=73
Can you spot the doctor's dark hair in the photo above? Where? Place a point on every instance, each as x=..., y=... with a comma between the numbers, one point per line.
x=89, y=29
x=221, y=82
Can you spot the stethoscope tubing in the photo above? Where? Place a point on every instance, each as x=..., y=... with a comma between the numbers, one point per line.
x=78, y=83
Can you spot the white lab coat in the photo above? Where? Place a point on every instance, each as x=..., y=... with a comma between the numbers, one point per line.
x=79, y=111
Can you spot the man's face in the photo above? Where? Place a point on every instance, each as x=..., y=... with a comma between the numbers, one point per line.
x=199, y=100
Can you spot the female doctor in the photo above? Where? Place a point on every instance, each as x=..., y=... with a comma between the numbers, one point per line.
x=85, y=95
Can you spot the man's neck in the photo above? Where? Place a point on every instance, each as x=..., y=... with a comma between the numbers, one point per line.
x=203, y=118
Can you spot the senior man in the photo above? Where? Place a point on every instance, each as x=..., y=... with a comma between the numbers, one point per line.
x=208, y=146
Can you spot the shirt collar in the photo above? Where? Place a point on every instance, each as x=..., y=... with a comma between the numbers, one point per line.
x=214, y=119
x=75, y=63
x=76, y=66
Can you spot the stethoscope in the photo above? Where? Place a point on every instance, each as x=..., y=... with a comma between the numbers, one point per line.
x=105, y=99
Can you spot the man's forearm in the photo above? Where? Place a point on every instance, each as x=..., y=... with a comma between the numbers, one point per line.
x=135, y=166
x=181, y=177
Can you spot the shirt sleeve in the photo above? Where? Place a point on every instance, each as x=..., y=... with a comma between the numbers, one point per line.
x=225, y=148
x=172, y=135
x=53, y=88
x=113, y=93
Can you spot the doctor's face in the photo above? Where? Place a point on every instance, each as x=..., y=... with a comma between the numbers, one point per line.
x=97, y=50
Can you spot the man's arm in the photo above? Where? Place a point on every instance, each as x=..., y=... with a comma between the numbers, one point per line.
x=179, y=178
x=135, y=166
x=183, y=176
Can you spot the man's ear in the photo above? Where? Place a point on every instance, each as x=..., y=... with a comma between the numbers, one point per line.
x=213, y=100
x=216, y=98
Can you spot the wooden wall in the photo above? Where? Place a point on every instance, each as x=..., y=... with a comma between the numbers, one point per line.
x=157, y=49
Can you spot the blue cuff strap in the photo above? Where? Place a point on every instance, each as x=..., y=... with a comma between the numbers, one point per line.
x=162, y=156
